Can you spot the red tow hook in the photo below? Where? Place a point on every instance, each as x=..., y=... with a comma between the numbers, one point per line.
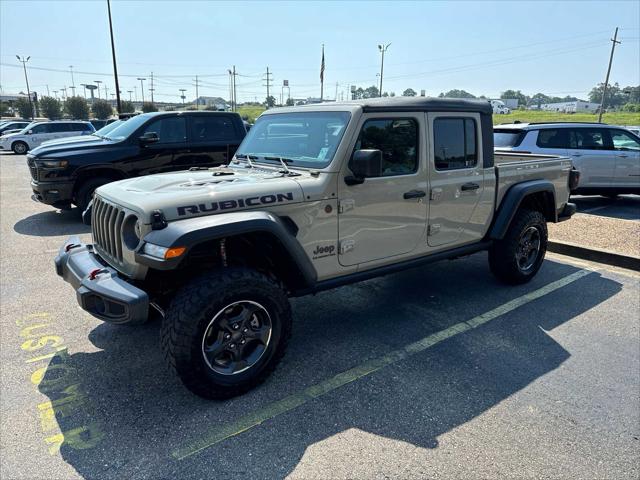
x=95, y=272
x=70, y=246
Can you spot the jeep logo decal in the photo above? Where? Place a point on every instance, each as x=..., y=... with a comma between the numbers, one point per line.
x=322, y=251
x=232, y=204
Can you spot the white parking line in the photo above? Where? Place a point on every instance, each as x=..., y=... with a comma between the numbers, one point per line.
x=291, y=402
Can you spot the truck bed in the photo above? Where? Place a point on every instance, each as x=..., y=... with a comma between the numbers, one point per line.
x=512, y=168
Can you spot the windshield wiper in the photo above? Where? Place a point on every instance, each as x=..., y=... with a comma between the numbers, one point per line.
x=248, y=158
x=285, y=168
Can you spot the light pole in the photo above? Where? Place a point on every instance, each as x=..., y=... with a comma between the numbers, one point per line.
x=55, y=92
x=182, y=95
x=382, y=48
x=135, y=92
x=24, y=66
x=84, y=85
x=98, y=82
x=113, y=55
x=130, y=92
x=142, y=87
x=73, y=83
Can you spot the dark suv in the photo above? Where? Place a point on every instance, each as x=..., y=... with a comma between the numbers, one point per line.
x=149, y=143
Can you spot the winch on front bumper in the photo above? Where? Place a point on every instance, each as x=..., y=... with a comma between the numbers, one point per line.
x=99, y=288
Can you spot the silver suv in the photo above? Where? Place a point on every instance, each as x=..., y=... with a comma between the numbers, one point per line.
x=37, y=133
x=607, y=157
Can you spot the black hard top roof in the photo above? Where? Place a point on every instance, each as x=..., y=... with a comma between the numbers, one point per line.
x=425, y=103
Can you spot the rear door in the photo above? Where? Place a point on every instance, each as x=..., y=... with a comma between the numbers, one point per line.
x=626, y=149
x=213, y=139
x=385, y=216
x=456, y=174
x=591, y=155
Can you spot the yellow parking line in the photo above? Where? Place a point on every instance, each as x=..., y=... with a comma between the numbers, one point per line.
x=291, y=402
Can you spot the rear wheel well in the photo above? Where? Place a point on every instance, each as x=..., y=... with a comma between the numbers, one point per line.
x=543, y=202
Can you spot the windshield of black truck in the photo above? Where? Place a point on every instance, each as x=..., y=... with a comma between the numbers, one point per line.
x=305, y=139
x=507, y=138
x=125, y=129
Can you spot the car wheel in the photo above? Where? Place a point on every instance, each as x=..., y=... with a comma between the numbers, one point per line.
x=84, y=194
x=226, y=331
x=517, y=257
x=20, y=148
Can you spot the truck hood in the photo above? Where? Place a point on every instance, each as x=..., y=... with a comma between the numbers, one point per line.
x=190, y=193
x=61, y=146
x=72, y=140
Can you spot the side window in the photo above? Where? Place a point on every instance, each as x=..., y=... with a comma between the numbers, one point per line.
x=553, y=138
x=623, y=141
x=169, y=130
x=212, y=128
x=397, y=139
x=587, y=139
x=42, y=128
x=76, y=127
x=454, y=143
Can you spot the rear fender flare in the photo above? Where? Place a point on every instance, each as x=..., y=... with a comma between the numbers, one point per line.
x=512, y=201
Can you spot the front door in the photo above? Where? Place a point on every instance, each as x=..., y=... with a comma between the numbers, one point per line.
x=457, y=180
x=386, y=215
x=158, y=157
x=41, y=133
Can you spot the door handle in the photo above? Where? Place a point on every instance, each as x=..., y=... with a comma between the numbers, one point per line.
x=622, y=155
x=469, y=186
x=576, y=154
x=414, y=194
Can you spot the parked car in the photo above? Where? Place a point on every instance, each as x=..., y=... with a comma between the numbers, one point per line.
x=317, y=197
x=37, y=133
x=97, y=135
x=148, y=143
x=607, y=157
x=12, y=125
x=98, y=123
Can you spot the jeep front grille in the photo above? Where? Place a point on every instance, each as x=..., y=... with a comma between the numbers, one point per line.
x=106, y=226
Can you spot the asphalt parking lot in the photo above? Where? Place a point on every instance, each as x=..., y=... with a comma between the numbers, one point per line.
x=436, y=372
x=624, y=207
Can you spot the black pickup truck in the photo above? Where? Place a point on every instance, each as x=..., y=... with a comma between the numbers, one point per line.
x=67, y=173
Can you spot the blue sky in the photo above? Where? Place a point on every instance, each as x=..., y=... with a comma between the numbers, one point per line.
x=558, y=48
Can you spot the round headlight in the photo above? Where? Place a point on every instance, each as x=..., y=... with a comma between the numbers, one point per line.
x=131, y=232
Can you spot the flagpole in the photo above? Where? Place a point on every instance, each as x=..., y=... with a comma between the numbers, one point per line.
x=322, y=75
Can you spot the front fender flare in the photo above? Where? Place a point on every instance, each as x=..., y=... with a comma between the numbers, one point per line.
x=194, y=231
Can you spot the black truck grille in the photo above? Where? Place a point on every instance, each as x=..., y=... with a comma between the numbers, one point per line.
x=106, y=226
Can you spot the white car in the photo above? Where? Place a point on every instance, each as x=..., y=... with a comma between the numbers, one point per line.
x=36, y=133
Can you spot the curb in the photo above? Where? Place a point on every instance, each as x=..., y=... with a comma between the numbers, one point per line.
x=600, y=256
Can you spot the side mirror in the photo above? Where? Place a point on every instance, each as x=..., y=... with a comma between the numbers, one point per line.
x=149, y=137
x=364, y=164
x=30, y=132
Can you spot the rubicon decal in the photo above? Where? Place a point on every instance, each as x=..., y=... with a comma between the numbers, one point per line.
x=231, y=204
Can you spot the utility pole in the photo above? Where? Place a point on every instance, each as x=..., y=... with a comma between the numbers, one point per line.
x=142, y=87
x=322, y=76
x=73, y=83
x=48, y=94
x=135, y=92
x=182, y=95
x=382, y=48
x=24, y=66
x=113, y=54
x=55, y=93
x=98, y=82
x=614, y=41
x=197, y=95
x=235, y=92
x=267, y=79
x=151, y=89
x=337, y=85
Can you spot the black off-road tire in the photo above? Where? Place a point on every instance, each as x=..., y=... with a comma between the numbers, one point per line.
x=503, y=259
x=190, y=313
x=84, y=194
x=20, y=148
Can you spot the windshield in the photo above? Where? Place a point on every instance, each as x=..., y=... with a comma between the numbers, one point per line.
x=107, y=128
x=124, y=129
x=507, y=138
x=306, y=139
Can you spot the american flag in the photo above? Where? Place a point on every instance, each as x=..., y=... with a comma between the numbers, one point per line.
x=322, y=66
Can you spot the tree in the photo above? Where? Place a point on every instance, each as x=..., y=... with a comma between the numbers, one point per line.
x=409, y=92
x=614, y=98
x=24, y=107
x=270, y=101
x=149, y=107
x=77, y=108
x=290, y=102
x=456, y=94
x=517, y=94
x=101, y=108
x=126, y=107
x=50, y=108
x=632, y=93
x=371, y=92
x=538, y=99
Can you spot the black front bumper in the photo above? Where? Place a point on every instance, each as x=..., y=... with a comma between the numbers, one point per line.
x=52, y=193
x=99, y=288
